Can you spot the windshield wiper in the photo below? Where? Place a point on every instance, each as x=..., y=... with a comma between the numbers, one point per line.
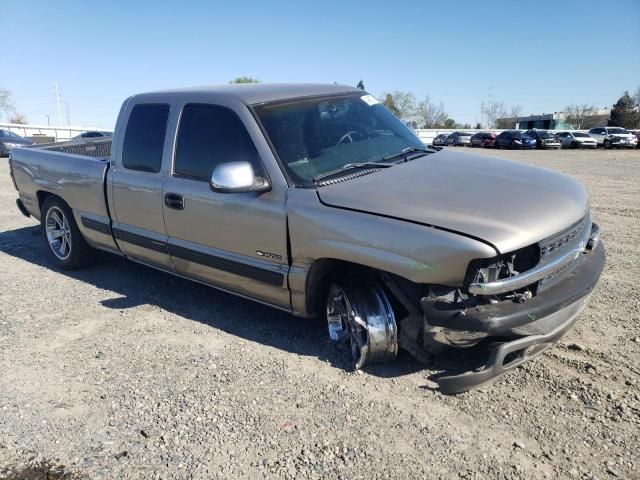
x=350, y=166
x=408, y=150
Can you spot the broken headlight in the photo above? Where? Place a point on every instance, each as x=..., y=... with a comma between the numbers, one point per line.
x=486, y=270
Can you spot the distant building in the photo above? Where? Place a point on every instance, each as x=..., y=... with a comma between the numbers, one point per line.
x=553, y=121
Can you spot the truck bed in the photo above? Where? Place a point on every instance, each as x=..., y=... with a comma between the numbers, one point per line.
x=95, y=147
x=75, y=171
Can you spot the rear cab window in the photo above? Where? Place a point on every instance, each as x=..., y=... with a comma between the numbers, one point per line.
x=144, y=137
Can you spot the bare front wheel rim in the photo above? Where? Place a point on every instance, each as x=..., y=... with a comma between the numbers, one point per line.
x=58, y=233
x=364, y=319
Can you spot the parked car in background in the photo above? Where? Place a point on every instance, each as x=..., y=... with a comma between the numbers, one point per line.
x=440, y=140
x=10, y=140
x=514, y=139
x=457, y=139
x=93, y=134
x=610, y=137
x=483, y=139
x=544, y=138
x=577, y=140
x=637, y=134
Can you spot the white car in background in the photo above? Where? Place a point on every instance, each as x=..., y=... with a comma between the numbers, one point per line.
x=610, y=137
x=577, y=140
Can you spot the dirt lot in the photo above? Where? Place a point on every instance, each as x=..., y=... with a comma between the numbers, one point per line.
x=119, y=371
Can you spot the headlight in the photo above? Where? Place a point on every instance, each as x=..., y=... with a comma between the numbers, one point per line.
x=502, y=267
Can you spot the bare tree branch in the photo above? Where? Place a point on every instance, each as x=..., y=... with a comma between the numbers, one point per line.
x=577, y=116
x=6, y=102
x=430, y=114
x=494, y=112
x=18, y=118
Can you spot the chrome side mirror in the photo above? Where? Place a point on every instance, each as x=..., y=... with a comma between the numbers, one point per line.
x=237, y=177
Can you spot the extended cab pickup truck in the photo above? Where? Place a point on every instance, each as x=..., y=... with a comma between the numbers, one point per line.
x=317, y=200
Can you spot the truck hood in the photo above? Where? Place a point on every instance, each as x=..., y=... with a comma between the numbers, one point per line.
x=507, y=204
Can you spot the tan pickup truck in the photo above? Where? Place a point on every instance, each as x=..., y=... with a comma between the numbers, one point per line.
x=315, y=199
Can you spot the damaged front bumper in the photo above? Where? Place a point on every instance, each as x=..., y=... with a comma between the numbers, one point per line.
x=524, y=330
x=509, y=355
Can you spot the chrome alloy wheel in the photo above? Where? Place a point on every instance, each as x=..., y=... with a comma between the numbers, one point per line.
x=363, y=317
x=58, y=233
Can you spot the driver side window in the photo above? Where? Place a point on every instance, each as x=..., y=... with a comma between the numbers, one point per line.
x=209, y=135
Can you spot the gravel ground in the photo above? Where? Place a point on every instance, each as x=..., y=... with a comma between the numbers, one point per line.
x=120, y=371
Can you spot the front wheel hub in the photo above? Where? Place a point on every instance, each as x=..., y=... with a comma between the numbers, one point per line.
x=363, y=318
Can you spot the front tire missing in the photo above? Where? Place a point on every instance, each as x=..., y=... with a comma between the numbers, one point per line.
x=362, y=316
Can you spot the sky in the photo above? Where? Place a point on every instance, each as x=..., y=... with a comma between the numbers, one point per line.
x=541, y=55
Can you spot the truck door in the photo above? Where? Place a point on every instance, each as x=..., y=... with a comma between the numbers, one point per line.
x=235, y=241
x=136, y=186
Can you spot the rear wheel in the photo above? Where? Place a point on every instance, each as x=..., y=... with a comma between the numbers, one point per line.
x=607, y=144
x=66, y=246
x=361, y=316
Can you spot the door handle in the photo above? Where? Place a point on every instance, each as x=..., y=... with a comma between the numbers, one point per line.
x=174, y=200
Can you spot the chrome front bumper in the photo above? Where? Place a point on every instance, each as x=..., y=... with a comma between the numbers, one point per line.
x=537, y=273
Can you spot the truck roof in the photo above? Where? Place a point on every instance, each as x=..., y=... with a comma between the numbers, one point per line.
x=254, y=93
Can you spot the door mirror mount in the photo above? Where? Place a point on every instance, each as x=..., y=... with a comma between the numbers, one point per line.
x=237, y=177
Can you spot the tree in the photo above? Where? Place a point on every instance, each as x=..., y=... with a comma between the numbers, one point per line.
x=478, y=126
x=245, y=80
x=511, y=119
x=625, y=113
x=449, y=123
x=577, y=116
x=18, y=118
x=360, y=85
x=494, y=112
x=390, y=103
x=402, y=104
x=498, y=116
x=6, y=102
x=430, y=114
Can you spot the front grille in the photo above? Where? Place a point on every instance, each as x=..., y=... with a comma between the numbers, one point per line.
x=574, y=237
x=553, y=275
x=558, y=242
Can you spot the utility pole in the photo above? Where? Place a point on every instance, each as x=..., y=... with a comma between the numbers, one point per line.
x=55, y=86
x=491, y=101
x=66, y=107
x=48, y=121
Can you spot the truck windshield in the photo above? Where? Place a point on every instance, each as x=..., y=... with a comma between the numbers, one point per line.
x=322, y=134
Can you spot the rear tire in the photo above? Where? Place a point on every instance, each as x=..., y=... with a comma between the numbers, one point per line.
x=65, y=244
